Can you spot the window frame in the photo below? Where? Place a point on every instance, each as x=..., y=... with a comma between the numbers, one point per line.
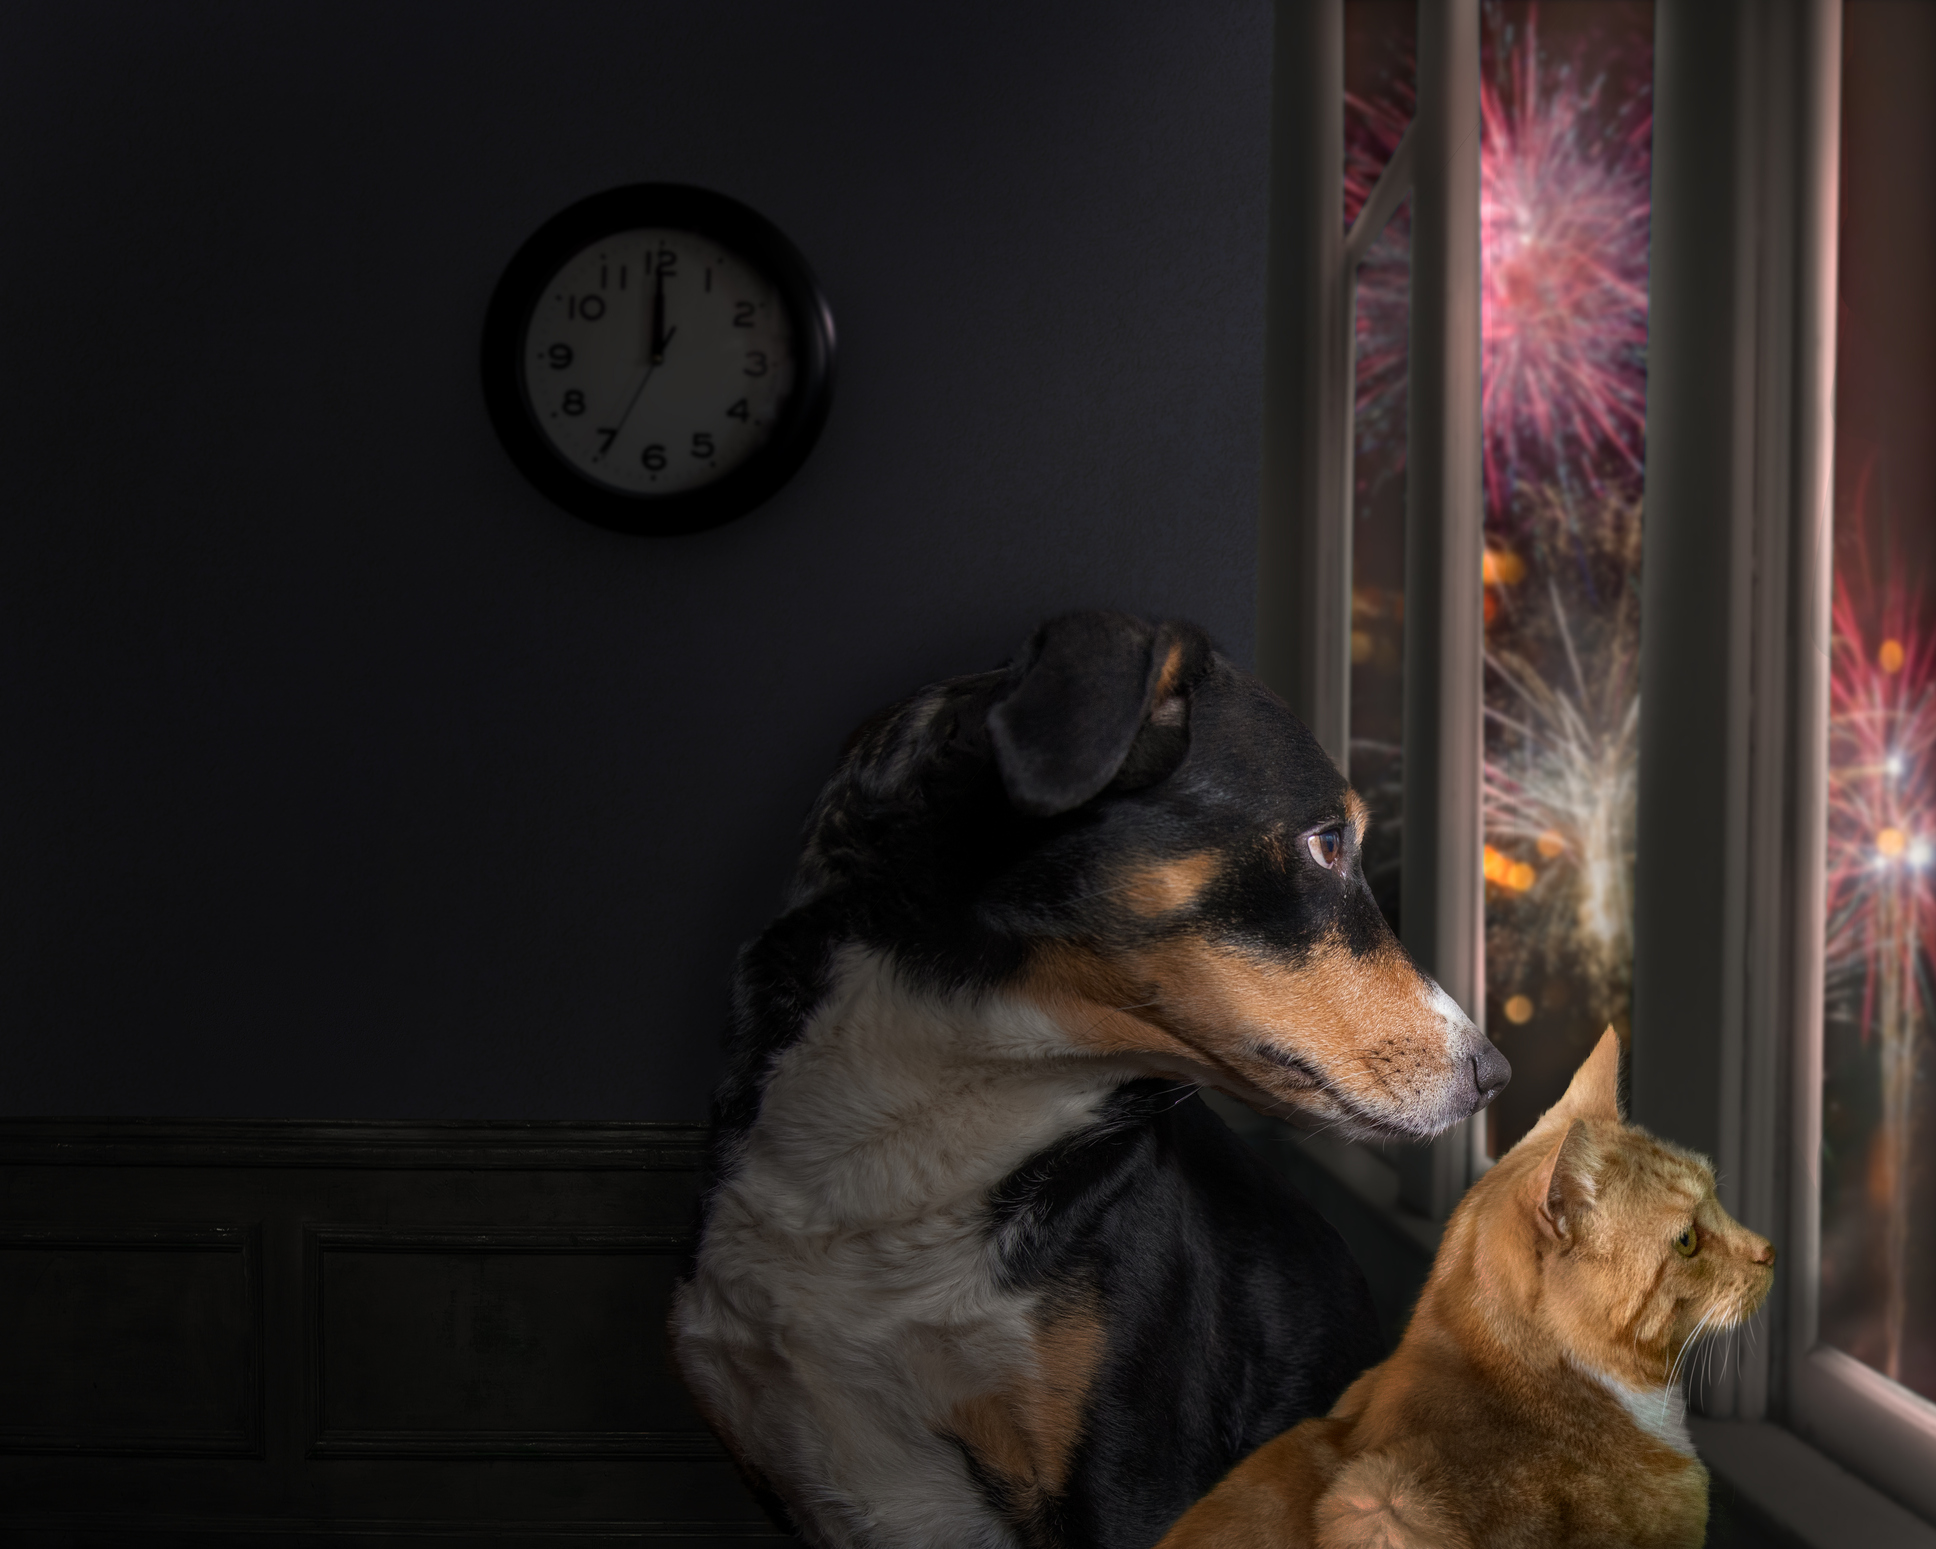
x=1735, y=575
x=1736, y=585
x=1877, y=1428
x=1305, y=516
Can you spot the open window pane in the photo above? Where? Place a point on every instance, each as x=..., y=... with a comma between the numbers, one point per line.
x=1566, y=141
x=1878, y=1242
x=1379, y=95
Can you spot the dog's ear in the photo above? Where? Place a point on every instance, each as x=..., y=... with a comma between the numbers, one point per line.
x=1089, y=688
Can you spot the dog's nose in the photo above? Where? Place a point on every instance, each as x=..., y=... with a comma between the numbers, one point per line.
x=1490, y=1072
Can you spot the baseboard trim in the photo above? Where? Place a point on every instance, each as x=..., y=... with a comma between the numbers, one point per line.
x=152, y=1532
x=462, y=1145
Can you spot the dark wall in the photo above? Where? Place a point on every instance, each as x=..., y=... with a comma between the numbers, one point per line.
x=340, y=774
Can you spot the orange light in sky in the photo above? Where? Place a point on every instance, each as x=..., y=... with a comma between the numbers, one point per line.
x=1890, y=657
x=1891, y=842
x=1502, y=567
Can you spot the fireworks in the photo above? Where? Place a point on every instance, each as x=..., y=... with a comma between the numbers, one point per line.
x=1563, y=219
x=1881, y=867
x=1563, y=214
x=1562, y=746
x=1375, y=127
x=1564, y=211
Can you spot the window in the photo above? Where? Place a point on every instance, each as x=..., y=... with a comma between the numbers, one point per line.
x=1526, y=658
x=1776, y=785
x=1566, y=117
x=1865, y=1371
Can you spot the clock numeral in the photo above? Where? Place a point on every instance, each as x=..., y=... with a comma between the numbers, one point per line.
x=610, y=433
x=756, y=362
x=667, y=263
x=739, y=412
x=560, y=356
x=654, y=458
x=590, y=308
x=702, y=443
x=574, y=403
x=743, y=314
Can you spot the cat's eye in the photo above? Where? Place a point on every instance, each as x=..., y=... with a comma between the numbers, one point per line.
x=1327, y=848
x=1688, y=1243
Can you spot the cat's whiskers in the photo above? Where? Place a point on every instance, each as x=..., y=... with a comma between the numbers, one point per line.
x=1674, y=1372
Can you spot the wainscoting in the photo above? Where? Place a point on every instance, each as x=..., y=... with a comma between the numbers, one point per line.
x=290, y=1332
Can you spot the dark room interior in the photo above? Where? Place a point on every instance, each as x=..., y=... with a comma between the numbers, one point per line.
x=379, y=836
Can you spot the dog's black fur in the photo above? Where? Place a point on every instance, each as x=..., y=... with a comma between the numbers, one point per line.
x=1234, y=1310
x=1119, y=823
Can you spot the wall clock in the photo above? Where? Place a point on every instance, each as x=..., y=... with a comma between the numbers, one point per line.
x=658, y=359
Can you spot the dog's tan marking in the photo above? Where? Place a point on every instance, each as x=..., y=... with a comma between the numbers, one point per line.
x=1361, y=1022
x=1025, y=1434
x=1166, y=679
x=1096, y=1005
x=1068, y=1349
x=1356, y=1018
x=1169, y=886
x=1357, y=815
x=990, y=1426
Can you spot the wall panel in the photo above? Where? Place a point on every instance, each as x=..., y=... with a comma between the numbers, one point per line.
x=293, y=1332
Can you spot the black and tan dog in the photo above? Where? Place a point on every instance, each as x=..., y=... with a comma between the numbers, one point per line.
x=977, y=1267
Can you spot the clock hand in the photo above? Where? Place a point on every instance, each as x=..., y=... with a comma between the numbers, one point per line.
x=632, y=402
x=659, y=335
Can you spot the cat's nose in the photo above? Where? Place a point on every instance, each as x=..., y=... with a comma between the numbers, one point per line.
x=1490, y=1072
x=1765, y=1254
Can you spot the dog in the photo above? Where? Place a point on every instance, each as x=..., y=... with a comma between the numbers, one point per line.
x=976, y=1266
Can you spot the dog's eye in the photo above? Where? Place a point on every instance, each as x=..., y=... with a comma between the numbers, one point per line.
x=1688, y=1243
x=1326, y=848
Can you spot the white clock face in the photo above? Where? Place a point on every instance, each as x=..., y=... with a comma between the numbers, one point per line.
x=658, y=361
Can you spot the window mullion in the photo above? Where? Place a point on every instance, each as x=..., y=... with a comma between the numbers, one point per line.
x=1443, y=910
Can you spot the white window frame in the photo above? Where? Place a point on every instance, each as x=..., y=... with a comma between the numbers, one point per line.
x=1304, y=532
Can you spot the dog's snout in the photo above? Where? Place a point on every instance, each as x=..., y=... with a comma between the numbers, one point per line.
x=1490, y=1072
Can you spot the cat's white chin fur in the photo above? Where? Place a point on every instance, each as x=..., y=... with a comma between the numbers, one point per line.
x=1661, y=1412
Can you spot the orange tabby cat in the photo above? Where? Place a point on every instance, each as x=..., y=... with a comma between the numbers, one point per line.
x=1530, y=1402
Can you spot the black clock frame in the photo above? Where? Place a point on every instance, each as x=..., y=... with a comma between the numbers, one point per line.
x=733, y=226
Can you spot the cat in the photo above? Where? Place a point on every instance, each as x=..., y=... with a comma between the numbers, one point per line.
x=1533, y=1399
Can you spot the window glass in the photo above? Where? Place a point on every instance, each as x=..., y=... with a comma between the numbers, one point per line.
x=1566, y=136
x=1878, y=1253
x=1379, y=90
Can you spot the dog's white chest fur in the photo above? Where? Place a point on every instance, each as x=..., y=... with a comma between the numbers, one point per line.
x=846, y=1297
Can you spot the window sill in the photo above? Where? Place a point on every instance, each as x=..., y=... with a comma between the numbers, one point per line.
x=1787, y=1484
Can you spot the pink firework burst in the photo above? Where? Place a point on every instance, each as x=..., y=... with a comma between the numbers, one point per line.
x=1882, y=799
x=1564, y=211
x=1880, y=938
x=1373, y=128
x=1563, y=216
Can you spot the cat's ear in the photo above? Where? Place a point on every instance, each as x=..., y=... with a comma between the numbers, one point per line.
x=1563, y=1186
x=1594, y=1092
